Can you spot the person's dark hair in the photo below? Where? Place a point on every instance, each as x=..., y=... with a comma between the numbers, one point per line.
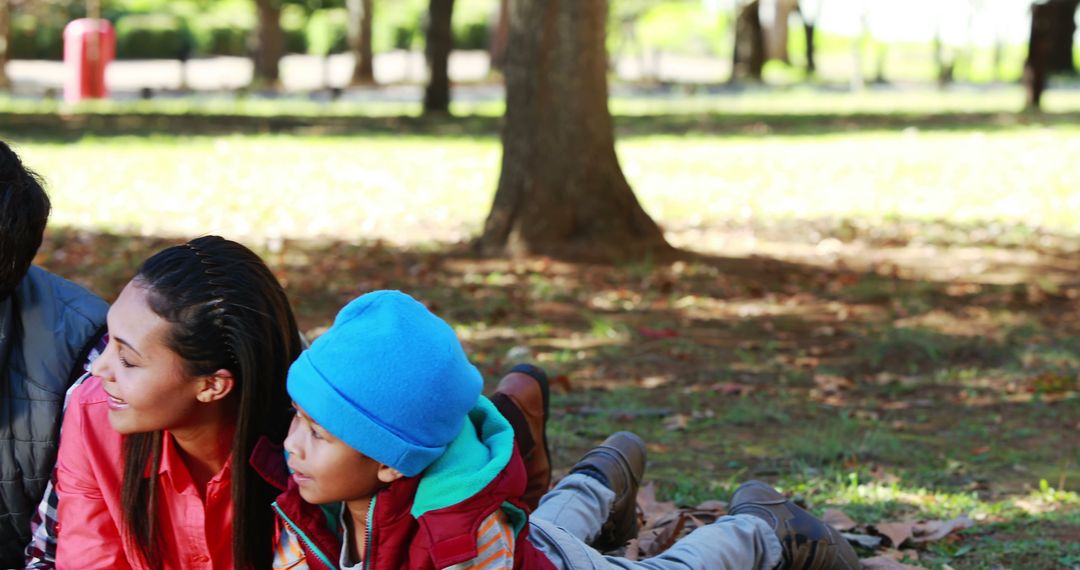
x=24, y=209
x=226, y=310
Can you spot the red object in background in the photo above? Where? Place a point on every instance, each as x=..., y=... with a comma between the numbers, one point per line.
x=89, y=46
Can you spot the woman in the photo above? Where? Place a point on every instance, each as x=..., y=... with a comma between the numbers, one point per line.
x=152, y=469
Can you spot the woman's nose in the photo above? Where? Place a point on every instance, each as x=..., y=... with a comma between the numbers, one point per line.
x=99, y=366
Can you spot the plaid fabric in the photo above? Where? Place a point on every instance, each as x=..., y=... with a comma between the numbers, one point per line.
x=41, y=552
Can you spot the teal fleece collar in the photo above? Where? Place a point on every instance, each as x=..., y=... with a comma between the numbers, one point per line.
x=472, y=461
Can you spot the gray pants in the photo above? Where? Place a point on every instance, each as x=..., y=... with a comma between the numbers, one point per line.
x=570, y=516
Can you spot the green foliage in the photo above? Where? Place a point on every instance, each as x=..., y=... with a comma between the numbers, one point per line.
x=682, y=27
x=471, y=35
x=220, y=36
x=36, y=37
x=328, y=31
x=397, y=25
x=208, y=28
x=294, y=22
x=472, y=23
x=152, y=36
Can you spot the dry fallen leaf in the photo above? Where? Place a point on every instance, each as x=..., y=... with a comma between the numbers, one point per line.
x=650, y=507
x=657, y=333
x=719, y=507
x=662, y=523
x=838, y=520
x=830, y=383
x=677, y=422
x=864, y=540
x=930, y=531
x=896, y=532
x=886, y=563
x=734, y=388
x=561, y=384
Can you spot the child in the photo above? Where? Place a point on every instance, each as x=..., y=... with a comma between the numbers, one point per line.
x=389, y=422
x=390, y=427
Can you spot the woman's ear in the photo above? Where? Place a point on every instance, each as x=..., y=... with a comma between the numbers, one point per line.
x=216, y=386
x=388, y=474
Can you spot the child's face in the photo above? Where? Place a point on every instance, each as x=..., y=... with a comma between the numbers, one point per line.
x=146, y=381
x=326, y=469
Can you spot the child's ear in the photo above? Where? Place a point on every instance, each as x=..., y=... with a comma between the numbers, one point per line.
x=388, y=474
x=214, y=387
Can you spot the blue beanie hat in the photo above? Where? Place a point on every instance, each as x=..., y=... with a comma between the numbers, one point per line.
x=390, y=379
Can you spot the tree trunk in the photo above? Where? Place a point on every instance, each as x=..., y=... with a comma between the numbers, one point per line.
x=809, y=12
x=5, y=41
x=880, y=61
x=1040, y=50
x=270, y=43
x=501, y=36
x=561, y=191
x=1064, y=29
x=440, y=41
x=858, y=79
x=749, y=54
x=360, y=16
x=1050, y=46
x=777, y=34
x=809, y=28
x=999, y=57
x=943, y=61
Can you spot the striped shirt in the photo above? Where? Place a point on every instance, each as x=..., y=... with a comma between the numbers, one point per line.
x=494, y=545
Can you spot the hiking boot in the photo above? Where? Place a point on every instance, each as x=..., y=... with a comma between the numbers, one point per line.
x=619, y=463
x=522, y=397
x=808, y=543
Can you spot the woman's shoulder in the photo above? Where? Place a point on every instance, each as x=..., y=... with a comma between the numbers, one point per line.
x=89, y=393
x=88, y=413
x=88, y=442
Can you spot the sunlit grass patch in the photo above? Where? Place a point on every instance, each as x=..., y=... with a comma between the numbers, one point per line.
x=870, y=501
x=374, y=187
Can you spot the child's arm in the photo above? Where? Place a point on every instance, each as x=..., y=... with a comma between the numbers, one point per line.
x=494, y=544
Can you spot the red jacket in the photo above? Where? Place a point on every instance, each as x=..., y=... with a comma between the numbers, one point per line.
x=436, y=539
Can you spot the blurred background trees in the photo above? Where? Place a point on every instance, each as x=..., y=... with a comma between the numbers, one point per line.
x=713, y=42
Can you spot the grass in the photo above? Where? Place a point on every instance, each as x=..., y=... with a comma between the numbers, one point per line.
x=369, y=187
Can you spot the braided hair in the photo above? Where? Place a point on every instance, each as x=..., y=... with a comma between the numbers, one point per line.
x=225, y=310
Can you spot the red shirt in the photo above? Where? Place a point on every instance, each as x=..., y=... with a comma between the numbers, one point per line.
x=196, y=534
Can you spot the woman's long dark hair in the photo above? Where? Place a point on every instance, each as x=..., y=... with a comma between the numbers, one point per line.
x=225, y=310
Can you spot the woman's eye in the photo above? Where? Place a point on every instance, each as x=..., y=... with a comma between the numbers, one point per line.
x=125, y=363
x=316, y=434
